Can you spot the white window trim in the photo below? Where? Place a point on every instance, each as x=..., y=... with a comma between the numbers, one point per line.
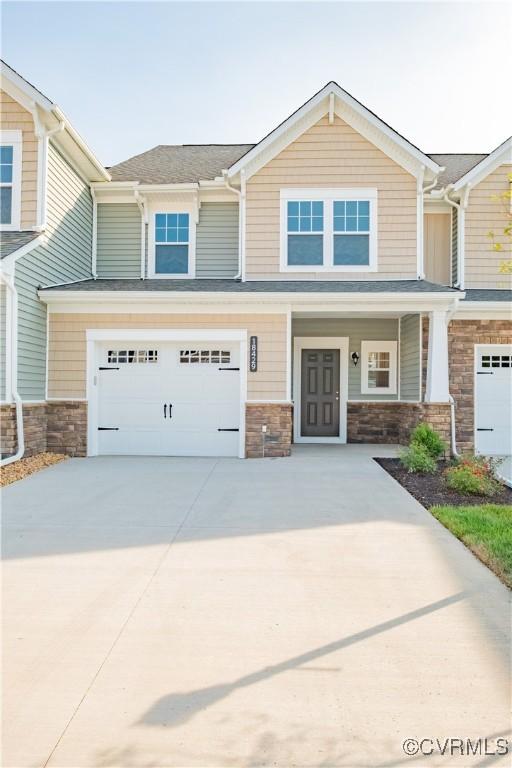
x=328, y=196
x=174, y=207
x=379, y=346
x=14, y=139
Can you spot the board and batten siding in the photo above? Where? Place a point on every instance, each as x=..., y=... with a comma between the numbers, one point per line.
x=66, y=257
x=410, y=357
x=485, y=214
x=67, y=347
x=436, y=248
x=118, y=250
x=14, y=117
x=333, y=156
x=455, y=246
x=217, y=240
x=3, y=332
x=357, y=330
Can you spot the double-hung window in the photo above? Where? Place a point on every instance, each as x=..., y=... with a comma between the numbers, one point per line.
x=10, y=179
x=329, y=230
x=379, y=367
x=172, y=244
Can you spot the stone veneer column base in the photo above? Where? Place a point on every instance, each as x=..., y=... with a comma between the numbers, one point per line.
x=67, y=427
x=276, y=441
x=7, y=430
x=393, y=421
x=34, y=428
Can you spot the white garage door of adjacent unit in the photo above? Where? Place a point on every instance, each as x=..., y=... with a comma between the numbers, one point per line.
x=169, y=399
x=493, y=400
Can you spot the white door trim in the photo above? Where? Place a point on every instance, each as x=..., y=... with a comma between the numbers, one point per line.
x=476, y=356
x=320, y=342
x=95, y=335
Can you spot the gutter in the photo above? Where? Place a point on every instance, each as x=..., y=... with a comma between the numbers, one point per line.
x=9, y=282
x=453, y=433
x=94, y=253
x=43, y=135
x=61, y=117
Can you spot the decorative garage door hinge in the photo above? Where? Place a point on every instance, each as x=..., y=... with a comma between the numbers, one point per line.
x=229, y=369
x=108, y=429
x=485, y=373
x=485, y=429
x=228, y=429
x=108, y=368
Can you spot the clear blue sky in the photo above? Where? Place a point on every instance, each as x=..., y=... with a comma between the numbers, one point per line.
x=132, y=75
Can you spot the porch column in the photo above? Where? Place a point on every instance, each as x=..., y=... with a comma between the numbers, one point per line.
x=437, y=365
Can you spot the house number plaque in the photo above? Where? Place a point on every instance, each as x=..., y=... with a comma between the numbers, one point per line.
x=253, y=354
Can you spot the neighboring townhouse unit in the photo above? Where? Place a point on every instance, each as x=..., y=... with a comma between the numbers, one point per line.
x=331, y=283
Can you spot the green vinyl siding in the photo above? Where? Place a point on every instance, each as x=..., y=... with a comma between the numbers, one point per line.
x=217, y=240
x=357, y=330
x=3, y=330
x=118, y=251
x=65, y=257
x=410, y=365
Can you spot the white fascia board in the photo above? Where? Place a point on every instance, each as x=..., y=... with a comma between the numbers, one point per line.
x=9, y=261
x=141, y=301
x=484, y=310
x=500, y=156
x=346, y=107
x=21, y=90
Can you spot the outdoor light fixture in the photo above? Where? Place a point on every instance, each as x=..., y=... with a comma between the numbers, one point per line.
x=355, y=358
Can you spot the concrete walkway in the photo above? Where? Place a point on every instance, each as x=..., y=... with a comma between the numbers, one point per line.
x=278, y=612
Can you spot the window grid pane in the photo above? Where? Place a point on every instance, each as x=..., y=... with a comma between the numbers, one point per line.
x=351, y=216
x=172, y=228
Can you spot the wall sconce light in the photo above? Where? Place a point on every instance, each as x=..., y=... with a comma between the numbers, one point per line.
x=355, y=358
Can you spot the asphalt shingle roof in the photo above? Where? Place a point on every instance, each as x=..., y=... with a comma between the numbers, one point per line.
x=455, y=166
x=11, y=241
x=488, y=294
x=179, y=164
x=255, y=286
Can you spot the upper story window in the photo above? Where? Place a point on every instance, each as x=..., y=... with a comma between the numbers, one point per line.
x=10, y=179
x=172, y=242
x=329, y=230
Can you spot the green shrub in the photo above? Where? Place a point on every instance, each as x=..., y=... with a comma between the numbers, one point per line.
x=475, y=475
x=416, y=458
x=430, y=440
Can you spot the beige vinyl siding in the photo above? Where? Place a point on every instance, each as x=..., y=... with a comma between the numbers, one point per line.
x=217, y=240
x=13, y=117
x=357, y=330
x=436, y=233
x=410, y=363
x=483, y=214
x=67, y=347
x=3, y=331
x=118, y=243
x=455, y=246
x=66, y=257
x=333, y=156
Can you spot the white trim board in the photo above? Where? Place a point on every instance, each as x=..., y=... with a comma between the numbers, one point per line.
x=95, y=335
x=320, y=342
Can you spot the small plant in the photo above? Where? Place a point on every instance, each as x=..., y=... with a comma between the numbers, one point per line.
x=475, y=475
x=416, y=458
x=429, y=439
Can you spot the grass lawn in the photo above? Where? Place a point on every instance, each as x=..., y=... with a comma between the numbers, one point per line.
x=486, y=530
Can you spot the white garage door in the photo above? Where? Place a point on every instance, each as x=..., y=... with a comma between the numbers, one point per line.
x=168, y=399
x=493, y=400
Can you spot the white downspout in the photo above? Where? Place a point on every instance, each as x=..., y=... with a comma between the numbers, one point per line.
x=238, y=193
x=42, y=136
x=94, y=255
x=453, y=434
x=13, y=384
x=143, y=221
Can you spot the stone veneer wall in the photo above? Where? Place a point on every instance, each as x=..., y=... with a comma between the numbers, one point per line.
x=393, y=422
x=57, y=427
x=462, y=337
x=67, y=428
x=276, y=441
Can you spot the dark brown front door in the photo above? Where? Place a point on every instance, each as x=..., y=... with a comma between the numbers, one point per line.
x=320, y=393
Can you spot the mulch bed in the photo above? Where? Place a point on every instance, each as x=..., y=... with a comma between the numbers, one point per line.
x=431, y=490
x=24, y=467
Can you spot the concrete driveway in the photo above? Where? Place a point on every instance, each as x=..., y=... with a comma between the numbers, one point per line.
x=279, y=612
